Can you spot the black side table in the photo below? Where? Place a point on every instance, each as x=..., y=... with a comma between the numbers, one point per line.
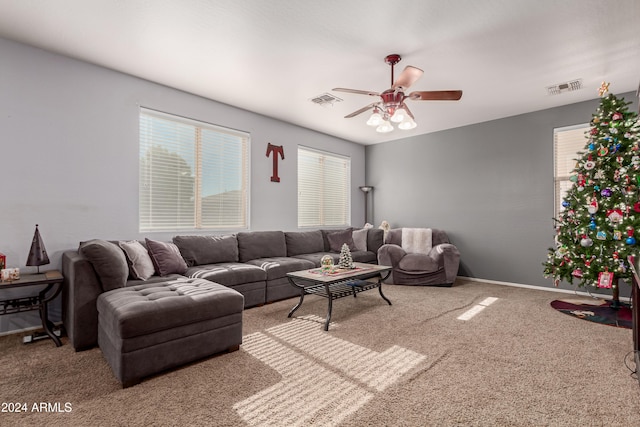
x=53, y=281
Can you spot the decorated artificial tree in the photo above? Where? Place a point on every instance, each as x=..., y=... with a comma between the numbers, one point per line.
x=345, y=257
x=599, y=226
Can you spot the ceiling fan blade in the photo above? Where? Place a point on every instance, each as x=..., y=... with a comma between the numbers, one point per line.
x=409, y=76
x=436, y=95
x=359, y=92
x=362, y=110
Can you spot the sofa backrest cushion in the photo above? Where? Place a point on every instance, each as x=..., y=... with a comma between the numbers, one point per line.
x=166, y=257
x=303, y=242
x=108, y=261
x=261, y=244
x=201, y=250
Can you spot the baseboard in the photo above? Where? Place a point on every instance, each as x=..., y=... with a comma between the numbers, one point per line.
x=542, y=288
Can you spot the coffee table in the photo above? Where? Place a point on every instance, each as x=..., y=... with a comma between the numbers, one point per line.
x=338, y=283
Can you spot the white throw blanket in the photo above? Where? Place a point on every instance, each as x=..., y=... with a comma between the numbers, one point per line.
x=417, y=240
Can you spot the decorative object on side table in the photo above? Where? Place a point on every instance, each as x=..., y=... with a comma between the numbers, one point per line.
x=345, y=257
x=37, y=254
x=9, y=274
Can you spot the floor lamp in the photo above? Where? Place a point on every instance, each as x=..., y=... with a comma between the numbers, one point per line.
x=366, y=189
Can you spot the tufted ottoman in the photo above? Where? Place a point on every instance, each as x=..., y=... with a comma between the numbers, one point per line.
x=148, y=328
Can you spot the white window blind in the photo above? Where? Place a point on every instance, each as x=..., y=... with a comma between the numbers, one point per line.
x=567, y=142
x=324, y=188
x=193, y=175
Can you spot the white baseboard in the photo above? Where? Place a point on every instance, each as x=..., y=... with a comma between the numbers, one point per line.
x=542, y=288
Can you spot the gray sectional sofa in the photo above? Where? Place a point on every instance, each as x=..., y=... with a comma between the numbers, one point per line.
x=253, y=264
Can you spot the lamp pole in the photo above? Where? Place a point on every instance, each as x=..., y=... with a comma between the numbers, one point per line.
x=366, y=189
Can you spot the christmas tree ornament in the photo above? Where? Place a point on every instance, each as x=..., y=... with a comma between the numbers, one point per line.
x=617, y=235
x=606, y=192
x=614, y=216
x=605, y=279
x=630, y=240
x=601, y=235
x=586, y=242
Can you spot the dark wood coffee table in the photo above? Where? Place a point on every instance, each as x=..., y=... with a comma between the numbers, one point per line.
x=338, y=283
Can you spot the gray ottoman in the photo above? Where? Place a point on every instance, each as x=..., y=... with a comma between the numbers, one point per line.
x=148, y=328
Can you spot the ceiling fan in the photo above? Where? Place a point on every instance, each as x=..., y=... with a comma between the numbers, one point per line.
x=391, y=107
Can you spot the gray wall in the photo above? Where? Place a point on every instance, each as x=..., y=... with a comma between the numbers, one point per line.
x=69, y=156
x=489, y=185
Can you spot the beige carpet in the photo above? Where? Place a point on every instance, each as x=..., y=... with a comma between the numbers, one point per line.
x=517, y=362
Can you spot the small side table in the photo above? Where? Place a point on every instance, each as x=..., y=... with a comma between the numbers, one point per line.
x=53, y=281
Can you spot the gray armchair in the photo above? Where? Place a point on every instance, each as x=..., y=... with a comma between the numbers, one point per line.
x=419, y=263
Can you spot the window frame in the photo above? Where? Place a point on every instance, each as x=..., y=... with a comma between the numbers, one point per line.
x=566, y=155
x=198, y=169
x=346, y=203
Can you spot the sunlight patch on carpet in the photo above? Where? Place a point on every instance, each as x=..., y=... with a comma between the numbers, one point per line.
x=467, y=315
x=324, y=378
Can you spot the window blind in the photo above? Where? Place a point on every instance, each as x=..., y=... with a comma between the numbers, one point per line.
x=324, y=184
x=193, y=175
x=568, y=141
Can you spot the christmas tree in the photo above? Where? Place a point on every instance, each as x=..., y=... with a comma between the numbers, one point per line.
x=599, y=225
x=345, y=257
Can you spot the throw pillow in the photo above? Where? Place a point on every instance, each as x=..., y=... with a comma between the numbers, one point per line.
x=166, y=258
x=108, y=261
x=360, y=239
x=140, y=264
x=338, y=238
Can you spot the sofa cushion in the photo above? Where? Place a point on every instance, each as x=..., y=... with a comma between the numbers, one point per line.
x=278, y=267
x=338, y=238
x=417, y=262
x=166, y=257
x=228, y=273
x=261, y=244
x=303, y=242
x=140, y=264
x=199, y=250
x=108, y=261
x=360, y=239
x=149, y=308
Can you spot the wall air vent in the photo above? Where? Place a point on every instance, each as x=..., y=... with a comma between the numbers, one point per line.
x=565, y=87
x=325, y=99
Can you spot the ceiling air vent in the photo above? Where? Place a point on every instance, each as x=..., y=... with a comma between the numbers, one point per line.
x=325, y=99
x=565, y=87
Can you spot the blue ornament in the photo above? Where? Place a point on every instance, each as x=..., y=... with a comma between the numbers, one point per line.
x=592, y=146
x=565, y=204
x=596, y=187
x=630, y=240
x=592, y=225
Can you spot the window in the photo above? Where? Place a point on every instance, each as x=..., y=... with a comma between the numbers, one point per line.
x=324, y=184
x=567, y=142
x=193, y=175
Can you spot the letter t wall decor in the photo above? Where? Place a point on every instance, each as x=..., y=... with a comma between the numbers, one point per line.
x=276, y=150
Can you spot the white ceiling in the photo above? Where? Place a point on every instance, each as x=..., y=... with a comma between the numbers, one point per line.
x=272, y=57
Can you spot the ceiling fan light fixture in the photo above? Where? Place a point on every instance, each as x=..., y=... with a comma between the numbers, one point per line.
x=407, y=124
x=399, y=115
x=384, y=127
x=375, y=119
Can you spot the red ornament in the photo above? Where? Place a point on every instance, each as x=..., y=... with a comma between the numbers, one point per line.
x=605, y=279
